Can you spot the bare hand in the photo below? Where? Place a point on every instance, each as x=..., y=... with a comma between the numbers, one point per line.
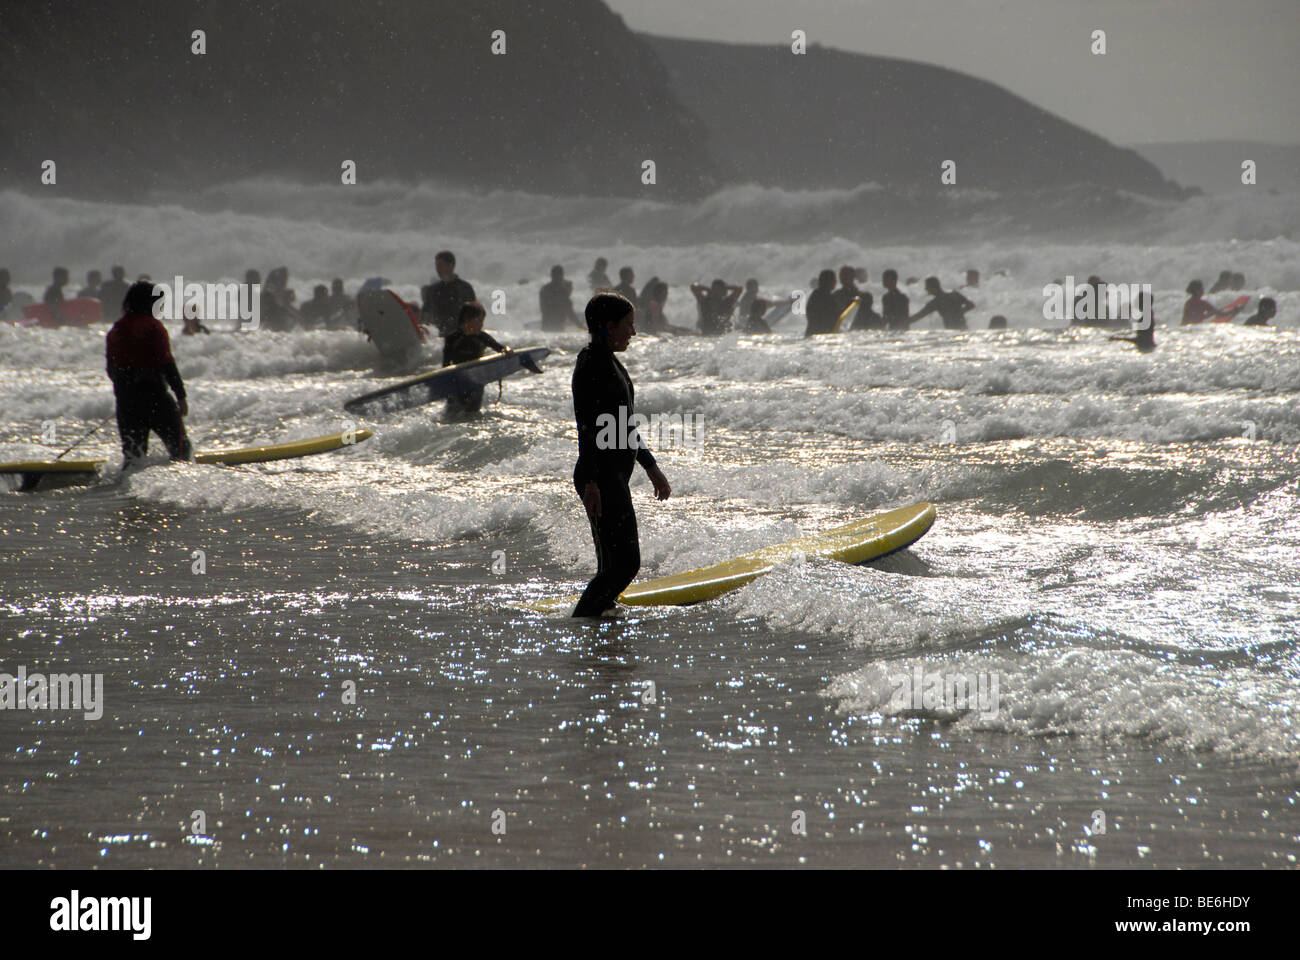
x=591, y=499
x=657, y=479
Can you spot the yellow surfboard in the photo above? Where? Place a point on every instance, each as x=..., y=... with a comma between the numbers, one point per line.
x=858, y=542
x=30, y=472
x=846, y=316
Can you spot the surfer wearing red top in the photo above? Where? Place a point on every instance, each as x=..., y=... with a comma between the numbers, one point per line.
x=141, y=366
x=1197, y=309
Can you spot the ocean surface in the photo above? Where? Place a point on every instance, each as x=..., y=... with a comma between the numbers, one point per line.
x=349, y=675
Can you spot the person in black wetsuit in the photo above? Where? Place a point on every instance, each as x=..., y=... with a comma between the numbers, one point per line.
x=952, y=306
x=848, y=289
x=894, y=305
x=1145, y=337
x=140, y=364
x=442, y=300
x=555, y=300
x=609, y=448
x=113, y=291
x=866, y=318
x=94, y=280
x=716, y=303
x=54, y=294
x=468, y=343
x=1266, y=311
x=822, y=310
x=6, y=295
x=627, y=283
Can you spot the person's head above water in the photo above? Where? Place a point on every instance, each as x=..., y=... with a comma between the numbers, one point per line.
x=1196, y=288
x=444, y=264
x=320, y=291
x=1267, y=308
x=932, y=286
x=867, y=298
x=847, y=275
x=751, y=285
x=1238, y=281
x=972, y=278
x=471, y=317
x=93, y=278
x=60, y=276
x=610, y=318
x=250, y=276
x=601, y=263
x=336, y=285
x=626, y=274
x=659, y=292
x=826, y=280
x=119, y=273
x=718, y=287
x=998, y=322
x=557, y=272
x=140, y=297
x=890, y=279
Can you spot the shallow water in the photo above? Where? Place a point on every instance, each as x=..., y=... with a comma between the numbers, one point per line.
x=1109, y=546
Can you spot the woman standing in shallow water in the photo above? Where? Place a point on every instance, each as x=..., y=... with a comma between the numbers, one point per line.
x=609, y=447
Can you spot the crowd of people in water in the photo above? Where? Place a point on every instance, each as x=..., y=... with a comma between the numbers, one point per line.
x=837, y=301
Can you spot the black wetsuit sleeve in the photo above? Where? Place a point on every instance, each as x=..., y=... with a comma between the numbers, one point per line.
x=173, y=378
x=489, y=341
x=928, y=309
x=586, y=404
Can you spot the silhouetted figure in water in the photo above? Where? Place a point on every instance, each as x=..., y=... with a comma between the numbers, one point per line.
x=866, y=318
x=113, y=291
x=951, y=306
x=441, y=301
x=894, y=304
x=972, y=278
x=747, y=300
x=278, y=311
x=54, y=294
x=997, y=322
x=626, y=284
x=642, y=302
x=1265, y=312
x=555, y=299
x=1197, y=309
x=343, y=307
x=1223, y=283
x=598, y=278
x=822, y=311
x=1144, y=338
x=848, y=289
x=94, y=280
x=716, y=304
x=316, y=311
x=6, y=295
x=753, y=320
x=1238, y=281
x=1094, y=314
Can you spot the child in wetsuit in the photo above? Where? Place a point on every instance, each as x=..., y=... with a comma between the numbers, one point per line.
x=467, y=343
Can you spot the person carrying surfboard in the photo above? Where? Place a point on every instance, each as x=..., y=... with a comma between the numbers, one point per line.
x=468, y=343
x=609, y=448
x=141, y=367
x=1197, y=309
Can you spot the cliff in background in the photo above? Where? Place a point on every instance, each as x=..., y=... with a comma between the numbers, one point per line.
x=829, y=118
x=408, y=90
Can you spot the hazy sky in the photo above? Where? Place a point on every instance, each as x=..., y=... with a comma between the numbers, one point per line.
x=1173, y=70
